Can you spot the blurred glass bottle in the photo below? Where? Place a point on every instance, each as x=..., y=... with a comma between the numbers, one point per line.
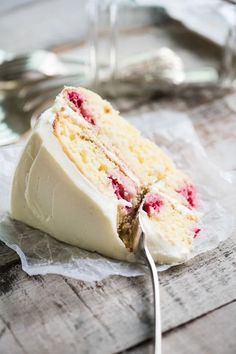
x=159, y=46
x=227, y=73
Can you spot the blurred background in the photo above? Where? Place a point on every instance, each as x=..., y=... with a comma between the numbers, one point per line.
x=126, y=48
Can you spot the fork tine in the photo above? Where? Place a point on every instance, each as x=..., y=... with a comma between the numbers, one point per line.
x=14, y=63
x=20, y=58
x=13, y=71
x=46, y=85
x=29, y=86
x=33, y=103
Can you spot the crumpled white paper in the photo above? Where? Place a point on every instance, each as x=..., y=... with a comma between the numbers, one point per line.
x=42, y=254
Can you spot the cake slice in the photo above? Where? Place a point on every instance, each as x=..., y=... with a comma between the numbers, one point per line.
x=84, y=174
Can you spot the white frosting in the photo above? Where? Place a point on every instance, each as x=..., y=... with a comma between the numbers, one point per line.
x=50, y=194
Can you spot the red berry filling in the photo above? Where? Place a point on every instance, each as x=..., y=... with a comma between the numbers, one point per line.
x=196, y=232
x=189, y=193
x=152, y=204
x=75, y=98
x=123, y=187
x=78, y=101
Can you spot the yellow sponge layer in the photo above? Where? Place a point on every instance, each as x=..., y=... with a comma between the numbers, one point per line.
x=176, y=224
x=86, y=155
x=147, y=161
x=92, y=161
x=173, y=224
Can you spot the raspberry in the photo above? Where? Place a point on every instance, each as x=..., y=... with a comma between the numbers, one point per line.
x=118, y=188
x=75, y=98
x=189, y=193
x=79, y=103
x=152, y=204
x=123, y=187
x=196, y=232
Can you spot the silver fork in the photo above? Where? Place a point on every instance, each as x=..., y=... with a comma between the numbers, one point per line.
x=20, y=107
x=41, y=61
x=142, y=252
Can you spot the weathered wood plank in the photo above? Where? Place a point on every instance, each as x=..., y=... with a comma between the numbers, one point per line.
x=7, y=255
x=8, y=338
x=213, y=333
x=67, y=315
x=217, y=131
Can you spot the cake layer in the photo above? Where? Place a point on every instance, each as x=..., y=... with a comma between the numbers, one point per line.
x=179, y=186
x=147, y=161
x=91, y=159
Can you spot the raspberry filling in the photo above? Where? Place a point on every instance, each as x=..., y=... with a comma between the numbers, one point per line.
x=189, y=193
x=75, y=98
x=78, y=101
x=196, y=232
x=152, y=204
x=123, y=187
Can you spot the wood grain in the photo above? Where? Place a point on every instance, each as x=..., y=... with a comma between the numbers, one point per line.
x=66, y=315
x=7, y=255
x=213, y=333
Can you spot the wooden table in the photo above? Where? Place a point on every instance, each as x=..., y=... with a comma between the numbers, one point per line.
x=52, y=314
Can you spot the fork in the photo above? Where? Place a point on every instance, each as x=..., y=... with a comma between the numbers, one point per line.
x=20, y=107
x=142, y=252
x=39, y=61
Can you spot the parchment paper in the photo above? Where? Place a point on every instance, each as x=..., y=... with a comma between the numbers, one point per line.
x=41, y=254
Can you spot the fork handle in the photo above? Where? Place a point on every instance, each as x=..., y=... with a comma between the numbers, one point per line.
x=156, y=297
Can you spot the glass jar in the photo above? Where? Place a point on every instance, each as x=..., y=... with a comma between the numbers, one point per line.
x=148, y=46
